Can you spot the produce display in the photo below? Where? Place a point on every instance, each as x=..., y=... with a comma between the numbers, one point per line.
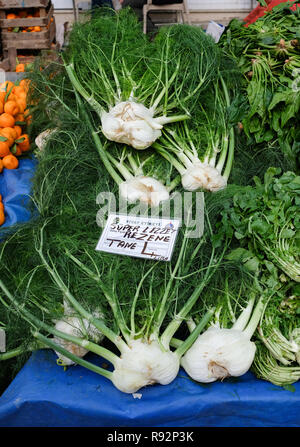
x=145, y=119
x=14, y=119
x=268, y=54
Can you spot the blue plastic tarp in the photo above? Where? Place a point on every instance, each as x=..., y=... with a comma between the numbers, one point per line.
x=43, y=394
x=15, y=188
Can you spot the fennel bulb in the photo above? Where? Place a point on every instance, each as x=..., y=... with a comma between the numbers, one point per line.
x=144, y=363
x=221, y=352
x=41, y=139
x=131, y=123
x=145, y=189
x=78, y=327
x=203, y=176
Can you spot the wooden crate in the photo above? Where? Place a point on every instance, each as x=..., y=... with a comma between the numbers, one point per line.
x=12, y=4
x=42, y=21
x=33, y=41
x=11, y=42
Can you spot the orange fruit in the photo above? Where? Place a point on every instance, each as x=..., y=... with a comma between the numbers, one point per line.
x=20, y=68
x=12, y=97
x=6, y=86
x=4, y=149
x=1, y=169
x=19, y=91
x=25, y=144
x=21, y=103
x=16, y=150
x=20, y=118
x=10, y=162
x=2, y=97
x=12, y=108
x=9, y=133
x=7, y=120
x=18, y=130
x=25, y=84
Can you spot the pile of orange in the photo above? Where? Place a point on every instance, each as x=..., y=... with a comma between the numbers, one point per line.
x=26, y=15
x=14, y=117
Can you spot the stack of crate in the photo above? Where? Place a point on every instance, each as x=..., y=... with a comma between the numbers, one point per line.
x=16, y=31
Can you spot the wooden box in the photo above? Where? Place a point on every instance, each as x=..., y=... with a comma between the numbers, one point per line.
x=42, y=21
x=12, y=4
x=37, y=41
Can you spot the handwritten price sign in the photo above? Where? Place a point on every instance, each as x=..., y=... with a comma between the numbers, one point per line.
x=140, y=237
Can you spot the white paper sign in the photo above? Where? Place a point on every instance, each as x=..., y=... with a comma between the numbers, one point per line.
x=2, y=340
x=140, y=237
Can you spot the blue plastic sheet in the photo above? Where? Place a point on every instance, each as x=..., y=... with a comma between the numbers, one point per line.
x=43, y=394
x=15, y=188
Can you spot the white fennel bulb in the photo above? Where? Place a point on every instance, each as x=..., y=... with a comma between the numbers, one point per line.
x=41, y=139
x=222, y=352
x=79, y=327
x=144, y=189
x=219, y=353
x=144, y=363
x=131, y=123
x=203, y=176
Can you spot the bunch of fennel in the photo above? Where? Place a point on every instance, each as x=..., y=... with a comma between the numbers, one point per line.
x=225, y=348
x=133, y=84
x=141, y=331
x=202, y=150
x=278, y=354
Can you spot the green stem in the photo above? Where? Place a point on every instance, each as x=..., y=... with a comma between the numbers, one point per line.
x=163, y=91
x=114, y=304
x=98, y=144
x=243, y=319
x=18, y=351
x=172, y=119
x=180, y=351
x=174, y=325
x=175, y=342
x=133, y=306
x=174, y=183
x=162, y=306
x=231, y=138
x=230, y=154
x=256, y=316
x=121, y=168
x=74, y=358
x=78, y=87
x=114, y=338
x=179, y=167
x=104, y=159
